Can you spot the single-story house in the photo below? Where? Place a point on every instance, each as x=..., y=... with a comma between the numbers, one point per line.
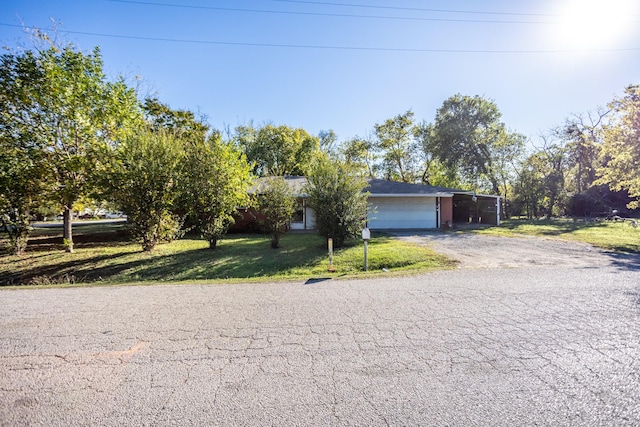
x=398, y=205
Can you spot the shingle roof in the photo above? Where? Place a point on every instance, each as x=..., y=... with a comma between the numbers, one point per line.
x=296, y=183
x=387, y=188
x=376, y=187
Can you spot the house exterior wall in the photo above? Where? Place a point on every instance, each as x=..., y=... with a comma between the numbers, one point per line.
x=446, y=212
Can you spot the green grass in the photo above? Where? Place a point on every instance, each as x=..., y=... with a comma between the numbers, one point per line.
x=610, y=235
x=103, y=255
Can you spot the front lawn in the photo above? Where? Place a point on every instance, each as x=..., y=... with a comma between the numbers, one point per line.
x=610, y=235
x=103, y=255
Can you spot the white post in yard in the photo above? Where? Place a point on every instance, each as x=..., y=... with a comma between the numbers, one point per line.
x=366, y=235
x=330, y=244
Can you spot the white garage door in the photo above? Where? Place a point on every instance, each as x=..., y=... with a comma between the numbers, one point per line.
x=402, y=212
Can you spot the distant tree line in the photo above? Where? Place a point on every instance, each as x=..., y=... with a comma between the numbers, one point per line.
x=71, y=136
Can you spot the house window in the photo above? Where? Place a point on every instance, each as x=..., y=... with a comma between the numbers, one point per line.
x=298, y=213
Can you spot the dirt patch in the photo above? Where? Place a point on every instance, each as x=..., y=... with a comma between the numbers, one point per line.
x=480, y=251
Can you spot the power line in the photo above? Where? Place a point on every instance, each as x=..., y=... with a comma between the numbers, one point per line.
x=414, y=9
x=333, y=15
x=322, y=47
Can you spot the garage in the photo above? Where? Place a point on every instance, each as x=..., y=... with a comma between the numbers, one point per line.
x=402, y=213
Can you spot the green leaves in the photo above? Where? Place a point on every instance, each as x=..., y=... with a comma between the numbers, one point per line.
x=215, y=179
x=395, y=141
x=336, y=194
x=621, y=149
x=143, y=183
x=277, y=203
x=61, y=111
x=277, y=150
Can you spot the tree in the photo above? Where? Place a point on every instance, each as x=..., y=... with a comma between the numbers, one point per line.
x=398, y=148
x=277, y=150
x=336, y=194
x=621, y=148
x=327, y=142
x=215, y=182
x=435, y=172
x=182, y=123
x=277, y=203
x=508, y=150
x=71, y=111
x=584, y=137
x=361, y=153
x=463, y=135
x=23, y=180
x=23, y=168
x=144, y=183
x=471, y=142
x=541, y=179
x=78, y=119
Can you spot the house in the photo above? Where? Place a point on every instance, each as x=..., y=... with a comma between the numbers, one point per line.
x=399, y=205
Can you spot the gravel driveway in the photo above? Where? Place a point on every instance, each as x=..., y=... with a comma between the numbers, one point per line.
x=482, y=251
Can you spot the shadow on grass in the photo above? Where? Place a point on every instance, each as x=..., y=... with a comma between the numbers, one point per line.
x=238, y=258
x=226, y=263
x=61, y=272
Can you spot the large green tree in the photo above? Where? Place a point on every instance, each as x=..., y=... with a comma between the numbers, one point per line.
x=72, y=111
x=540, y=186
x=361, y=153
x=277, y=150
x=463, y=134
x=24, y=173
x=470, y=140
x=336, y=194
x=143, y=182
x=399, y=151
x=81, y=112
x=277, y=203
x=23, y=181
x=215, y=179
x=182, y=123
x=620, y=154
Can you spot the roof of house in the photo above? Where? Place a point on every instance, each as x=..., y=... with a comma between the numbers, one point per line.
x=383, y=187
x=296, y=183
x=376, y=187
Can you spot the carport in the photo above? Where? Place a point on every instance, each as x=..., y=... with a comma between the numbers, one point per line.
x=469, y=207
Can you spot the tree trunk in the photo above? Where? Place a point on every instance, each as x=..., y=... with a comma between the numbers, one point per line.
x=213, y=243
x=275, y=240
x=67, y=230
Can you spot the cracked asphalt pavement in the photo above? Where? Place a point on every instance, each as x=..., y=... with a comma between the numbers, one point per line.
x=531, y=345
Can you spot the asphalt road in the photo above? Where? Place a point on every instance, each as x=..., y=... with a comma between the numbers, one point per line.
x=545, y=345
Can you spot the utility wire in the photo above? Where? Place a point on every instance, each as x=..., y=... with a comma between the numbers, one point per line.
x=414, y=9
x=320, y=47
x=333, y=15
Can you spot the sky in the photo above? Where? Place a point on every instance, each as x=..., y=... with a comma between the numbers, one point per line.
x=347, y=65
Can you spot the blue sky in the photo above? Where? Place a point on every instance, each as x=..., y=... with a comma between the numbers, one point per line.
x=346, y=65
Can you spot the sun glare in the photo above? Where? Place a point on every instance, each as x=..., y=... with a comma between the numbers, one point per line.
x=595, y=24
